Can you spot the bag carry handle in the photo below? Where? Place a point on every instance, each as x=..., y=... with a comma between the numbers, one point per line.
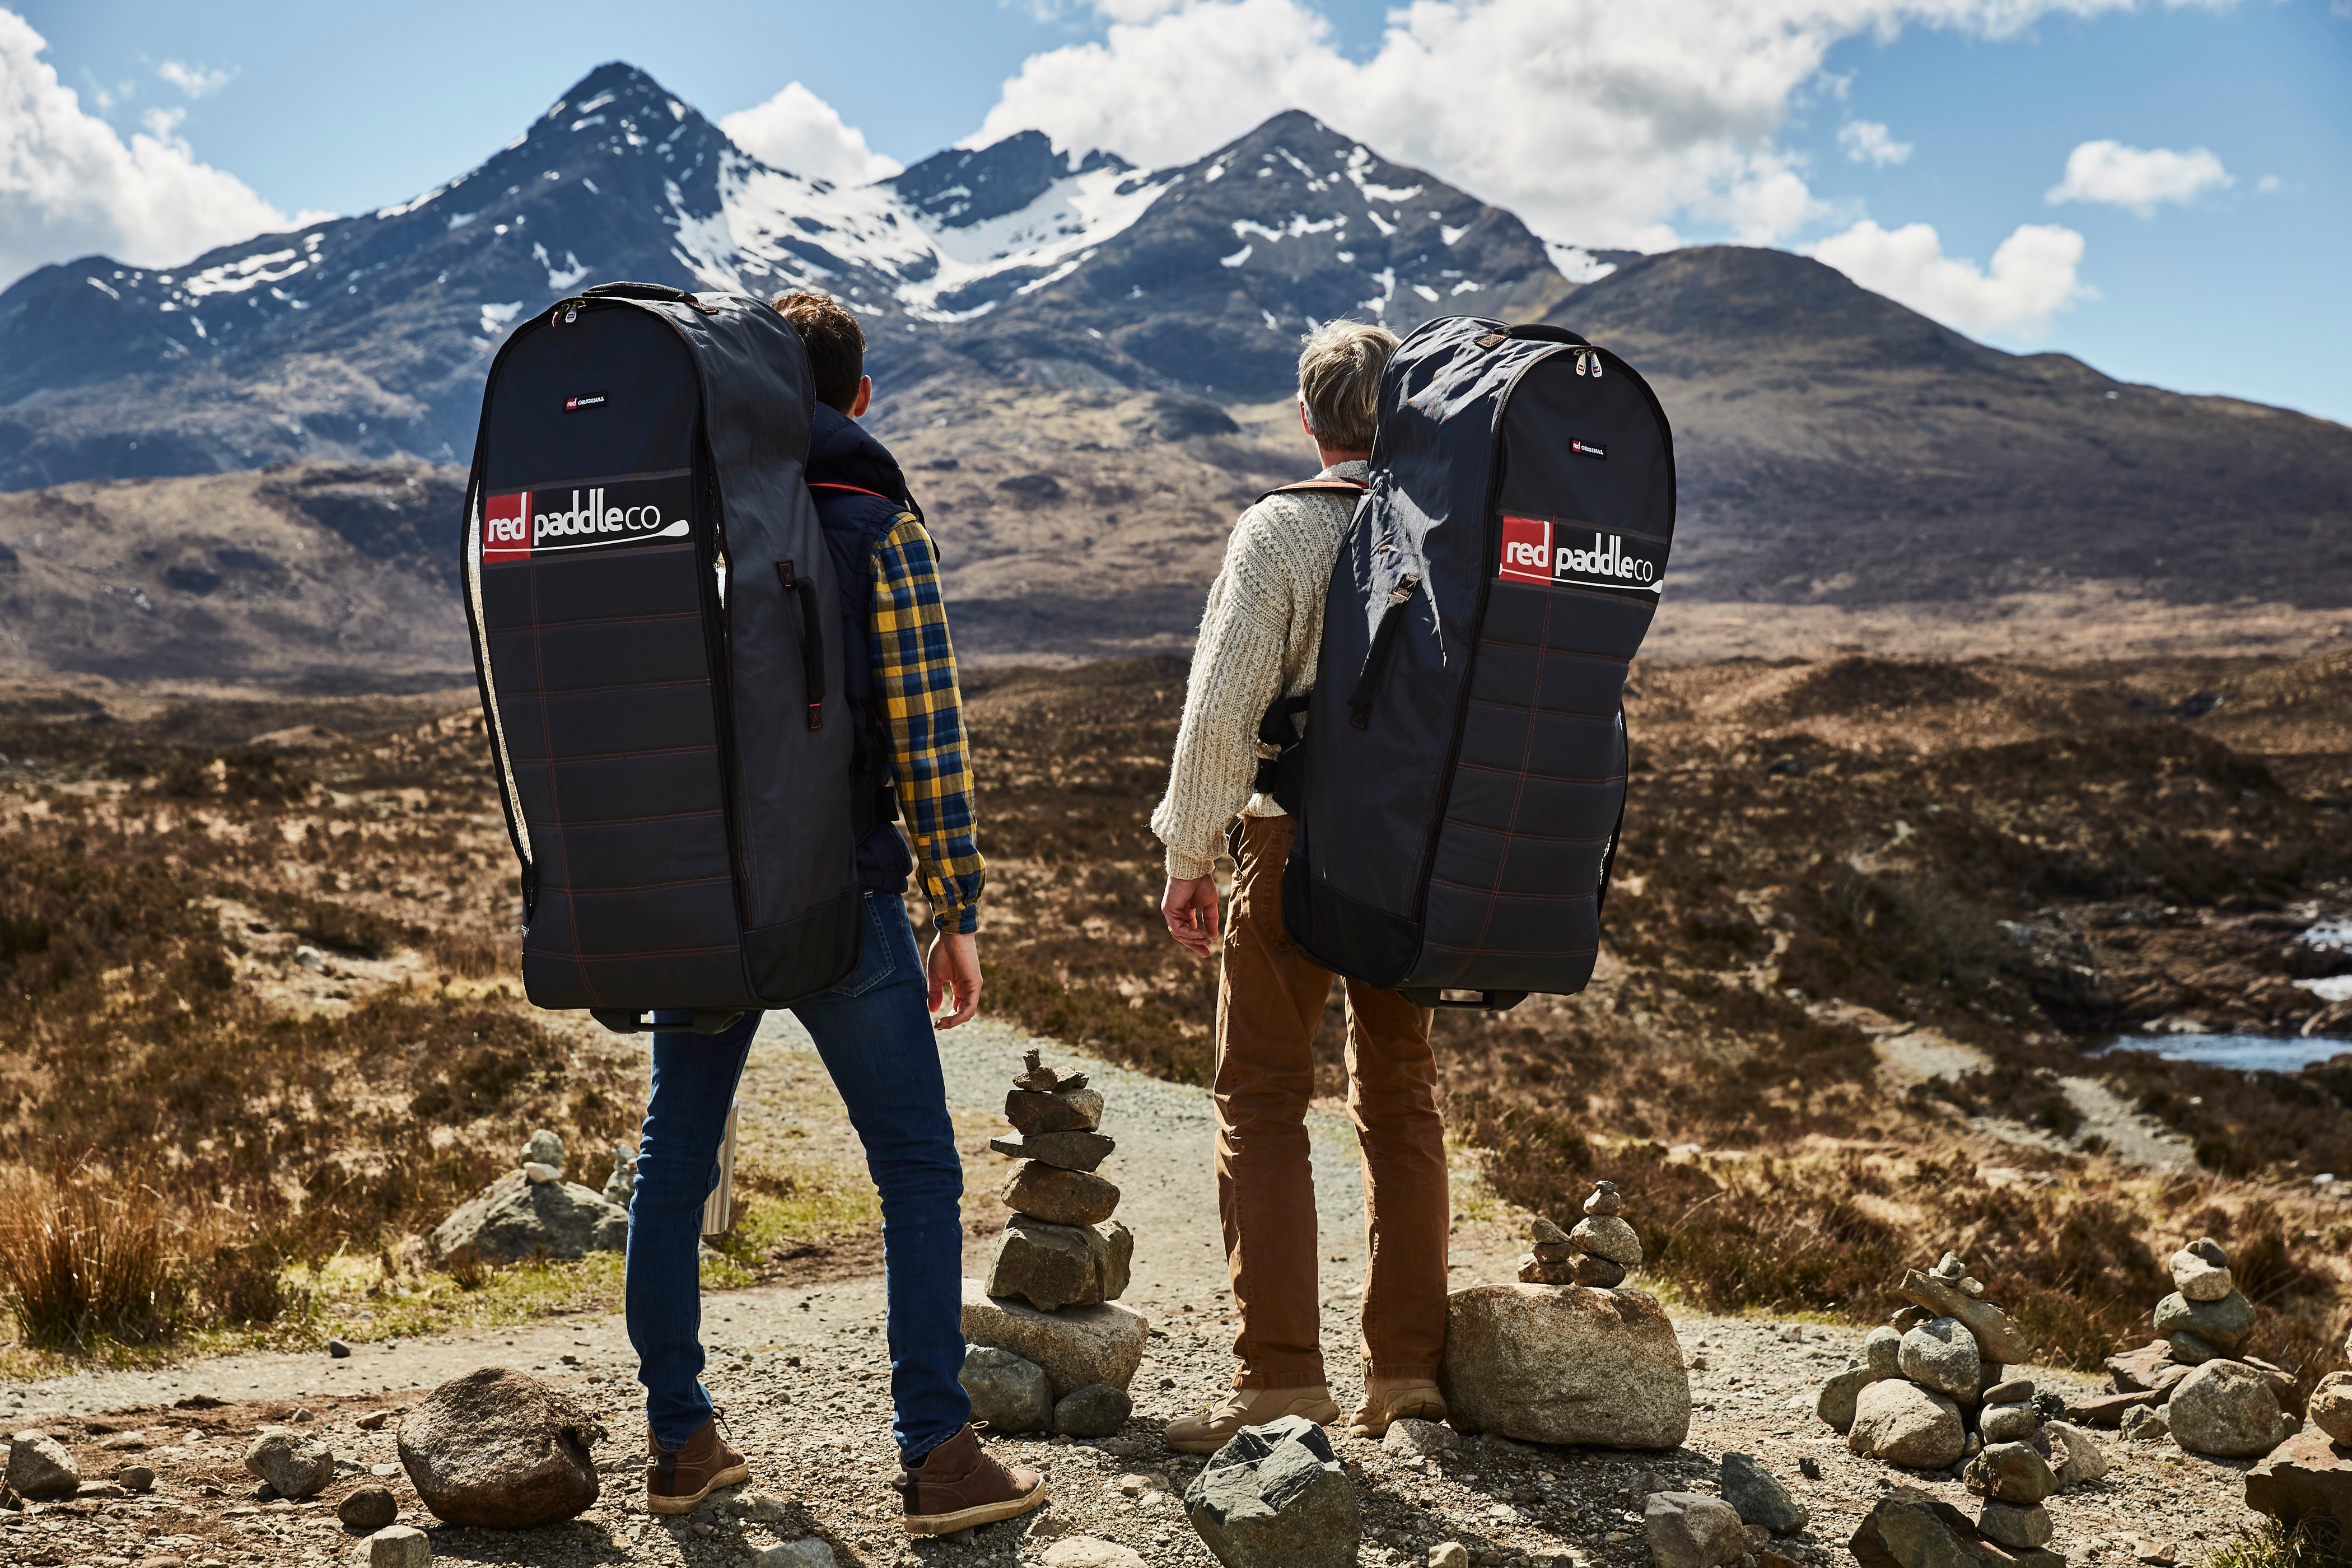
x=662, y=292
x=631, y=1020
x=1376, y=661
x=811, y=641
x=1431, y=997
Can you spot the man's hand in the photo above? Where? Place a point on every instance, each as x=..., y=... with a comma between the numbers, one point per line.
x=1190, y=907
x=953, y=967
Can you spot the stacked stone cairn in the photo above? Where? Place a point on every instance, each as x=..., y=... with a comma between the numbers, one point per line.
x=1597, y=1253
x=2195, y=1381
x=1933, y=1392
x=1062, y=1258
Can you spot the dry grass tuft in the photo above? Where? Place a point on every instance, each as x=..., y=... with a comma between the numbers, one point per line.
x=82, y=1264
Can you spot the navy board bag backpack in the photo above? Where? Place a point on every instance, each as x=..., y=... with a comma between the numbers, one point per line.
x=651, y=605
x=1461, y=782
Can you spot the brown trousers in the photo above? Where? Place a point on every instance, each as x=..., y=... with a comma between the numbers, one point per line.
x=1270, y=999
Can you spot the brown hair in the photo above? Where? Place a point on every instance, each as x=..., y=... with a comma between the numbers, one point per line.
x=836, y=342
x=1339, y=367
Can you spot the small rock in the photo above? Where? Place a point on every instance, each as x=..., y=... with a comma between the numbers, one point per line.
x=1086, y=1552
x=1058, y=1197
x=621, y=1184
x=1097, y=1410
x=2224, y=1325
x=2145, y=1424
x=2197, y=1280
x=1809, y=1467
x=1909, y=1529
x=1582, y=1367
x=1008, y=1392
x=1603, y=1199
x=1054, y=1266
x=1906, y=1425
x=2009, y=1423
x=2010, y=1391
x=544, y=1147
x=1835, y=1404
x=339, y=1349
x=1077, y=1346
x=2010, y=1472
x=497, y=1448
x=99, y=1492
x=297, y=1467
x=399, y=1546
x=1534, y=1271
x=2187, y=1350
x=1449, y=1554
x=1071, y=1151
x=1882, y=1352
x=2155, y=1554
x=1033, y=1113
x=2015, y=1524
x=2330, y=1407
x=368, y=1509
x=1548, y=1240
x=2206, y=1248
x=1414, y=1438
x=311, y=959
x=2086, y=1460
x=135, y=1480
x=1606, y=1236
x=373, y=1421
x=1759, y=1498
x=40, y=1468
x=806, y=1553
x=541, y=1174
x=1943, y=1355
x=1598, y=1273
x=2224, y=1409
x=1690, y=1529
x=1276, y=1497
x=516, y=1218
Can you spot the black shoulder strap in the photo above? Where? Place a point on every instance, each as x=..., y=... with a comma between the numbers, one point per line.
x=1318, y=487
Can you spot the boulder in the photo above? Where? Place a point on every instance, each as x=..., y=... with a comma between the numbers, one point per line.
x=298, y=1466
x=2015, y=1524
x=1097, y=1410
x=2223, y=1324
x=2330, y=1408
x=497, y=1448
x=2303, y=1477
x=1906, y=1425
x=1054, y=1265
x=1071, y=1110
x=1414, y=1438
x=2198, y=1279
x=1756, y=1494
x=1275, y=1496
x=1073, y=1151
x=40, y=1468
x=1941, y=1354
x=1062, y=1198
x=1834, y=1404
x=2085, y=1460
x=2226, y=1410
x=1077, y=1346
x=1909, y=1529
x=515, y=1219
x=367, y=1509
x=2009, y=1423
x=1563, y=1363
x=398, y=1546
x=2010, y=1472
x=1607, y=1235
x=1008, y=1392
x=1691, y=1530
x=1882, y=1352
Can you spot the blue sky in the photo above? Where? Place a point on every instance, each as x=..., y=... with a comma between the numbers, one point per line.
x=2210, y=248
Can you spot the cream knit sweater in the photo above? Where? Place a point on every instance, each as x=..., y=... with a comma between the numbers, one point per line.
x=1259, y=635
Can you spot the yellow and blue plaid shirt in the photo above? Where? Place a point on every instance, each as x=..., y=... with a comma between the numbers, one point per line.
x=922, y=711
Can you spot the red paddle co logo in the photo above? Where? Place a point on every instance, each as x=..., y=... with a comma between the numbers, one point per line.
x=522, y=523
x=1538, y=550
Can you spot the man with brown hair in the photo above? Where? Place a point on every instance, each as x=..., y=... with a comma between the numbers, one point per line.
x=1259, y=638
x=873, y=1031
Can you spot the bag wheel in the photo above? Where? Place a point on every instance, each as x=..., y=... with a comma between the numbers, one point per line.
x=1432, y=998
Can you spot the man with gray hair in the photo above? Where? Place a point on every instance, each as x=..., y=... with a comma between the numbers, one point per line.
x=1258, y=641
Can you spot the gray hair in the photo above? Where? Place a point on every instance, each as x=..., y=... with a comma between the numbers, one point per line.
x=1340, y=367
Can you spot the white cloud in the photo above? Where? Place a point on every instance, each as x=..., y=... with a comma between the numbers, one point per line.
x=1867, y=142
x=70, y=186
x=2269, y=184
x=196, y=81
x=2135, y=178
x=2033, y=276
x=801, y=133
x=1597, y=121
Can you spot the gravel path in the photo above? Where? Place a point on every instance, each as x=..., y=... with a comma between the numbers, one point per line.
x=798, y=1370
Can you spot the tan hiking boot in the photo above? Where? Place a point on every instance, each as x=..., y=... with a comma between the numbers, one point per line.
x=1404, y=1399
x=678, y=1483
x=959, y=1485
x=1206, y=1434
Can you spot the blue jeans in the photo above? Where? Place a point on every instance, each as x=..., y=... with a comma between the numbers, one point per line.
x=874, y=1032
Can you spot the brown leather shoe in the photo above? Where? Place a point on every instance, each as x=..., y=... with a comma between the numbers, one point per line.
x=1387, y=1401
x=959, y=1485
x=1211, y=1430
x=678, y=1483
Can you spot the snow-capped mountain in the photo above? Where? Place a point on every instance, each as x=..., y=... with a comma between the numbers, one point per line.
x=368, y=335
